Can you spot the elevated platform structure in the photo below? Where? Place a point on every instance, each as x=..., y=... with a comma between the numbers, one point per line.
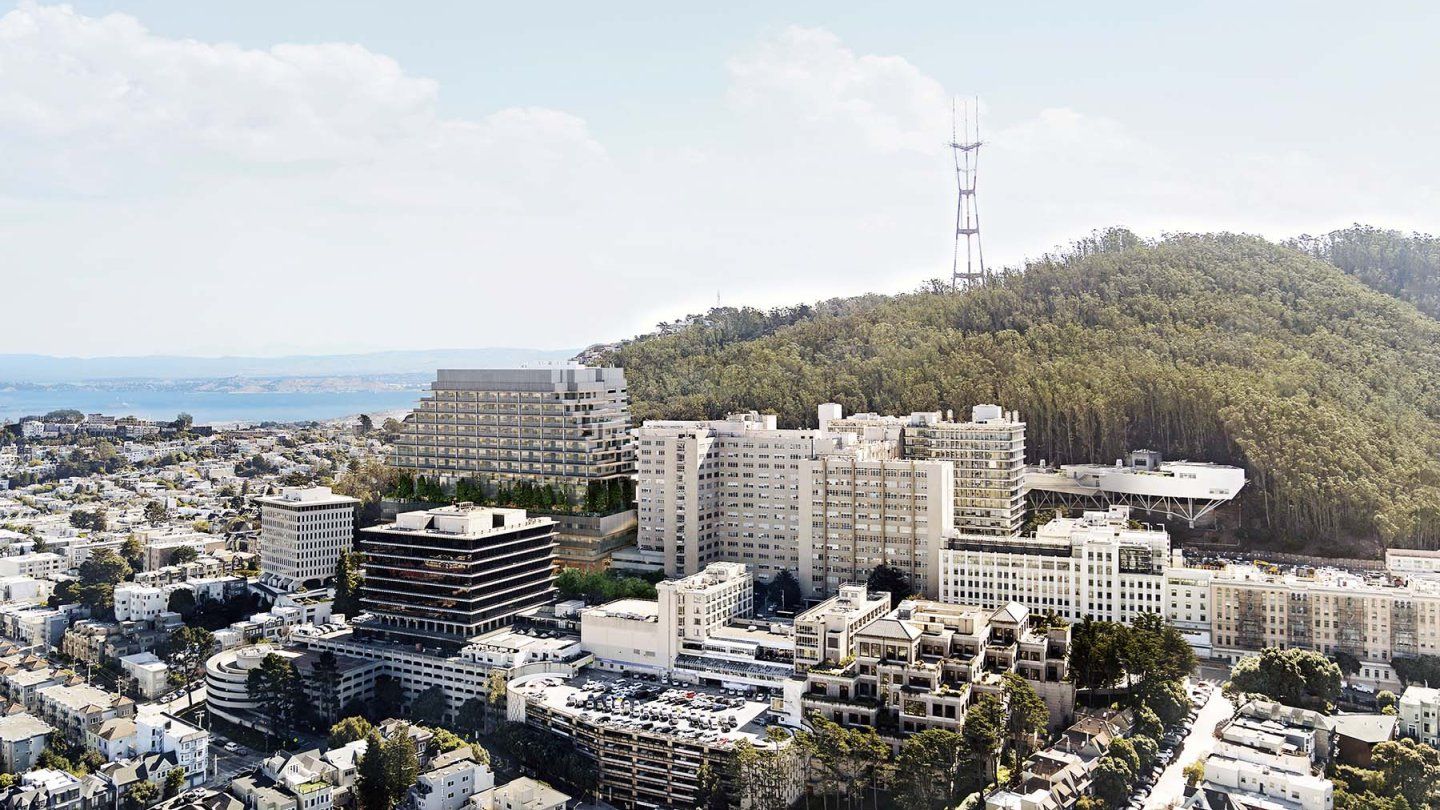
x=1186, y=490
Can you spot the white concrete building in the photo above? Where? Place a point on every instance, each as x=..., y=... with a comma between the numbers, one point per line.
x=1095, y=565
x=160, y=733
x=695, y=606
x=150, y=673
x=625, y=635
x=862, y=507
x=41, y=565
x=1412, y=561
x=1187, y=603
x=640, y=635
x=1419, y=713
x=723, y=490
x=826, y=632
x=302, y=533
x=140, y=602
x=825, y=506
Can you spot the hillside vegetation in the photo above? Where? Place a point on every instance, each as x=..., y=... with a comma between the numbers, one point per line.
x=1222, y=348
x=1407, y=267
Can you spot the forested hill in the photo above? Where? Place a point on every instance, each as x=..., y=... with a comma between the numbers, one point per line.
x=1222, y=348
x=1407, y=267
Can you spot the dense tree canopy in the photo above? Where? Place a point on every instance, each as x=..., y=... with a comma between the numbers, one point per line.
x=601, y=586
x=1223, y=348
x=1293, y=677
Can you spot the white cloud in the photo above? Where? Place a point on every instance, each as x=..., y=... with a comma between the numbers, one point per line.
x=83, y=92
x=806, y=76
x=311, y=197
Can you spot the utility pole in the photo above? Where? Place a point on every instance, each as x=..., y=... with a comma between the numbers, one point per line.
x=965, y=147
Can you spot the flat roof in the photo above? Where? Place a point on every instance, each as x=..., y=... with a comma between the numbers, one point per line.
x=638, y=609
x=698, y=714
x=22, y=726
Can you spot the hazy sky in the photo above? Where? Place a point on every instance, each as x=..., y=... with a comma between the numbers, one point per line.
x=287, y=177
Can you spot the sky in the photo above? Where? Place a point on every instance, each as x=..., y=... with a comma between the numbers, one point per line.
x=265, y=178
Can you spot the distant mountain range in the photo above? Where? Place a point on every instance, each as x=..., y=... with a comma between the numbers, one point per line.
x=37, y=368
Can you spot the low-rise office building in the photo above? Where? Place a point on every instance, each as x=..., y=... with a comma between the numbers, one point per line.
x=1096, y=565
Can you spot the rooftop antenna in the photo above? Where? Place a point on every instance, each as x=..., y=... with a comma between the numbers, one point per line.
x=965, y=147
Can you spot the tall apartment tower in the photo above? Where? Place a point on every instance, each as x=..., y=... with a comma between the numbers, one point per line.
x=455, y=572
x=567, y=429
x=988, y=454
x=825, y=506
x=721, y=491
x=302, y=533
x=862, y=509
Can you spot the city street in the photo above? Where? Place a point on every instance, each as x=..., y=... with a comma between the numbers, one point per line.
x=1170, y=788
x=180, y=704
x=227, y=766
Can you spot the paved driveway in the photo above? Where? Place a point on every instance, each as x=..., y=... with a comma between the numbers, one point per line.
x=1170, y=788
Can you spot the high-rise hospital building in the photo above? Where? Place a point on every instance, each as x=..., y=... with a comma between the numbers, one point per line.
x=826, y=506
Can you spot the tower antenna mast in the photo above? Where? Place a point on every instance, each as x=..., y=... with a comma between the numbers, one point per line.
x=965, y=147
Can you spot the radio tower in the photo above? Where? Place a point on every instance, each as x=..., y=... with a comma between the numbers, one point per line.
x=966, y=148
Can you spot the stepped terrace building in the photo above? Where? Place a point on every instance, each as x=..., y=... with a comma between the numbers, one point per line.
x=453, y=573
x=564, y=428
x=922, y=665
